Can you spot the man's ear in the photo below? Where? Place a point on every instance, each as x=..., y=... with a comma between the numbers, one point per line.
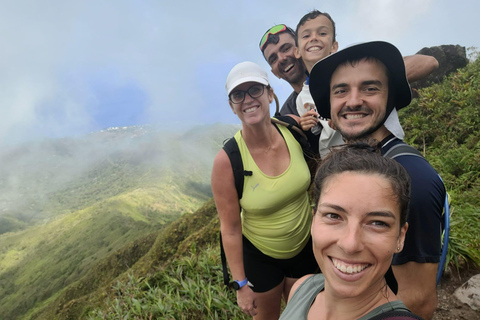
x=334, y=47
x=330, y=123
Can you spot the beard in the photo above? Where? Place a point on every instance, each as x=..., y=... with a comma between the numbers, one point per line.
x=297, y=76
x=363, y=133
x=349, y=137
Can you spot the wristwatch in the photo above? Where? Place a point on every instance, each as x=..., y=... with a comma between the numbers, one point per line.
x=237, y=285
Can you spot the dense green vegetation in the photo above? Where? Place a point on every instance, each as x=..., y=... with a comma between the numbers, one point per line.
x=444, y=123
x=187, y=289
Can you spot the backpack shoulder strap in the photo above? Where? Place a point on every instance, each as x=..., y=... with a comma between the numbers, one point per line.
x=405, y=149
x=402, y=149
x=396, y=315
x=295, y=129
x=233, y=153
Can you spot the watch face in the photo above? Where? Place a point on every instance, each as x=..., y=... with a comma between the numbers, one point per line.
x=235, y=285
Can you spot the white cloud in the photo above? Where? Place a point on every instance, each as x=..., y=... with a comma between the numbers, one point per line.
x=57, y=54
x=387, y=19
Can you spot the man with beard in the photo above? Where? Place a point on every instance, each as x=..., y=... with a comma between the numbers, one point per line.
x=278, y=48
x=360, y=89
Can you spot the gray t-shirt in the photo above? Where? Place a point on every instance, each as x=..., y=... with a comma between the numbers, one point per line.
x=290, y=105
x=298, y=307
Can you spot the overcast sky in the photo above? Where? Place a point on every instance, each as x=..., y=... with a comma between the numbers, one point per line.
x=73, y=67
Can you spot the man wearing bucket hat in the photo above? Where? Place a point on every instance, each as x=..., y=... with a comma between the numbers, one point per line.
x=360, y=88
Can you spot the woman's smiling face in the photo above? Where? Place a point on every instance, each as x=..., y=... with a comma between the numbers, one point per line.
x=355, y=231
x=253, y=110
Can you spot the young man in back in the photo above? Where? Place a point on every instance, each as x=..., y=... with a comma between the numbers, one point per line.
x=359, y=88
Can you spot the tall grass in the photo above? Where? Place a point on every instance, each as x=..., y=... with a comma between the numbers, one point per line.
x=190, y=288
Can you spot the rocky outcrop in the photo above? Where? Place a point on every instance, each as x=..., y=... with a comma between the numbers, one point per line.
x=469, y=292
x=449, y=57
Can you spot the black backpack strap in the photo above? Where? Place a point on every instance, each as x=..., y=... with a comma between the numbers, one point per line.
x=402, y=149
x=226, y=276
x=310, y=154
x=396, y=315
x=294, y=128
x=233, y=153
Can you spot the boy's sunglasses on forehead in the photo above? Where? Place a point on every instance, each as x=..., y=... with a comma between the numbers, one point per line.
x=274, y=30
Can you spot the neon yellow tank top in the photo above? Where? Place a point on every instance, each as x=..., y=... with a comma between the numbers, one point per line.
x=276, y=212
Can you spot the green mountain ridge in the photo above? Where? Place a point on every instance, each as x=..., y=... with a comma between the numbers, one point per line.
x=41, y=180
x=145, y=255
x=121, y=199
x=65, y=249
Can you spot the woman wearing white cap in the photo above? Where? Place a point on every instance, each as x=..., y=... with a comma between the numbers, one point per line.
x=266, y=232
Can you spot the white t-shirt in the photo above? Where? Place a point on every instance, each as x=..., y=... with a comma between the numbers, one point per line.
x=328, y=136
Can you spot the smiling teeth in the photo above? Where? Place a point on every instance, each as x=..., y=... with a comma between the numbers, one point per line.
x=313, y=49
x=288, y=68
x=354, y=116
x=249, y=110
x=356, y=268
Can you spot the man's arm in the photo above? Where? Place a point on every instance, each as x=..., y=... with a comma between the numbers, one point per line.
x=417, y=287
x=419, y=66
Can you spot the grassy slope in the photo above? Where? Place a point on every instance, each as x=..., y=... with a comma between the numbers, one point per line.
x=42, y=180
x=145, y=256
x=39, y=261
x=99, y=221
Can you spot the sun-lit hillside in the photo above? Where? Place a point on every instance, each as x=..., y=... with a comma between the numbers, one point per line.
x=45, y=179
x=101, y=193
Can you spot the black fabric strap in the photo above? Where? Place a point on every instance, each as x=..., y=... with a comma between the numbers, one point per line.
x=226, y=276
x=402, y=149
x=396, y=315
x=233, y=153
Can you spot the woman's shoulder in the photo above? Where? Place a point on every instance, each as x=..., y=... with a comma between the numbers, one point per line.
x=305, y=280
x=302, y=295
x=230, y=145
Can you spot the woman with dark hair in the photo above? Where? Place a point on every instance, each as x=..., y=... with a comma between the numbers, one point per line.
x=361, y=204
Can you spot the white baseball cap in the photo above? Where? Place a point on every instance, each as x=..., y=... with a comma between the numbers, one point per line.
x=245, y=72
